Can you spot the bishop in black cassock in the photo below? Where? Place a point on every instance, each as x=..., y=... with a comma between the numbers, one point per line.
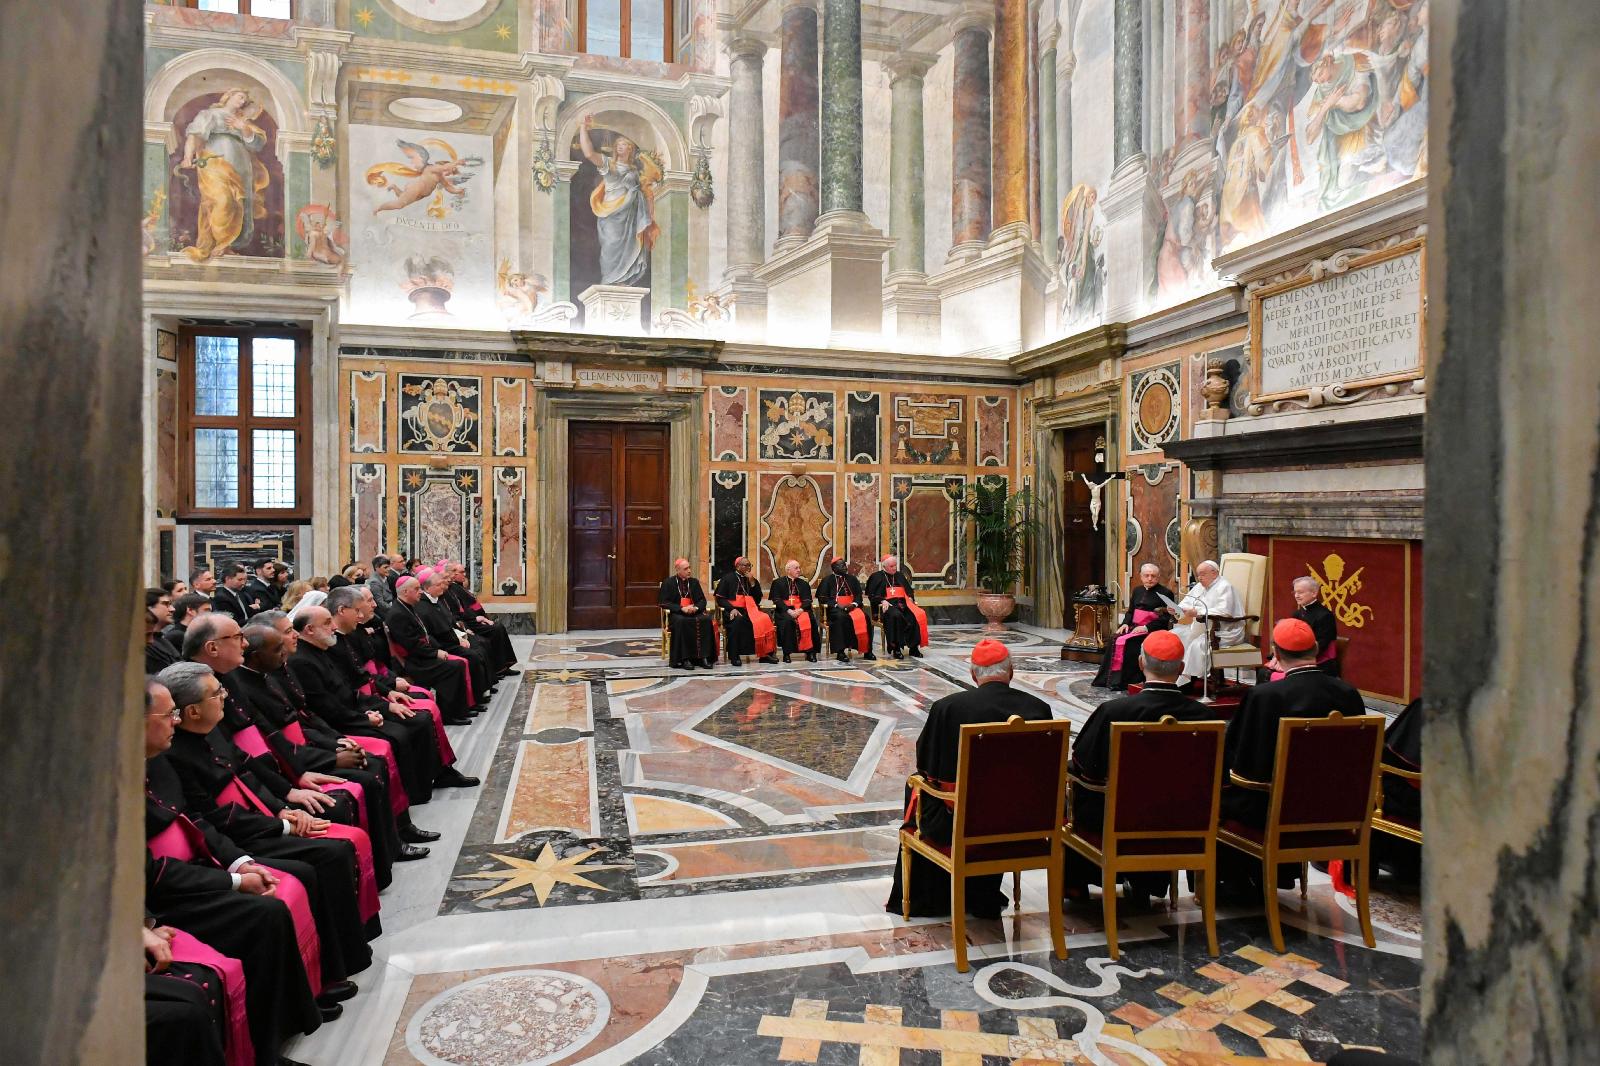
x=441, y=626
x=691, y=639
x=471, y=617
x=937, y=750
x=425, y=663
x=849, y=623
x=791, y=593
x=1146, y=614
x=891, y=593
x=184, y=1009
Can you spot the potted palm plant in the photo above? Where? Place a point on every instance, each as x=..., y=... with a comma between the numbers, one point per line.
x=999, y=527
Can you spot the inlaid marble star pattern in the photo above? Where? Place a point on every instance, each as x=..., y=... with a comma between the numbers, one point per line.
x=543, y=873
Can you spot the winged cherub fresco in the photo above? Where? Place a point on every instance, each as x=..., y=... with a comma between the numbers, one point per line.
x=423, y=176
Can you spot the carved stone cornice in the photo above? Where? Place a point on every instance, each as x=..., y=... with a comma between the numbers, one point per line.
x=1338, y=444
x=641, y=351
x=1077, y=352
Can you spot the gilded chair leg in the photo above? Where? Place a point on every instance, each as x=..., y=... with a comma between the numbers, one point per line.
x=1269, y=882
x=958, y=919
x=1208, y=907
x=1305, y=878
x=905, y=882
x=1054, y=877
x=1108, y=901
x=1172, y=890
x=1016, y=889
x=1363, y=909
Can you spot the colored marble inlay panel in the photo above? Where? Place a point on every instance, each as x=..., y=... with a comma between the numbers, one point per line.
x=728, y=488
x=1154, y=407
x=441, y=515
x=930, y=428
x=559, y=705
x=992, y=420
x=510, y=531
x=781, y=854
x=553, y=789
x=864, y=412
x=368, y=509
x=729, y=405
x=369, y=411
x=862, y=506
x=656, y=814
x=441, y=414
x=796, y=425
x=796, y=523
x=510, y=416
x=166, y=442
x=826, y=740
x=925, y=529
x=1154, y=493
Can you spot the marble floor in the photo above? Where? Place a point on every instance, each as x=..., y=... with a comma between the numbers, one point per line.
x=666, y=867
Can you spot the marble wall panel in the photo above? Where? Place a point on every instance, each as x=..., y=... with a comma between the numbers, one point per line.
x=797, y=424
x=863, y=503
x=510, y=416
x=440, y=512
x=864, y=414
x=1154, y=407
x=369, y=509
x=729, y=406
x=930, y=428
x=166, y=442
x=728, y=496
x=509, y=571
x=992, y=429
x=1153, y=494
x=216, y=547
x=925, y=529
x=441, y=414
x=796, y=523
x=369, y=411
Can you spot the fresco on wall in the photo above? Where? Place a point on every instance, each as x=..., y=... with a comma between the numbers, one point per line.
x=225, y=184
x=613, y=210
x=421, y=227
x=1082, y=263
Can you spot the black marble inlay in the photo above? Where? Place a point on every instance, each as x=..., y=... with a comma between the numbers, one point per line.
x=559, y=735
x=863, y=410
x=826, y=740
x=728, y=489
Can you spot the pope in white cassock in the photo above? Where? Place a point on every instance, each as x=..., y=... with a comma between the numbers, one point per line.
x=1211, y=595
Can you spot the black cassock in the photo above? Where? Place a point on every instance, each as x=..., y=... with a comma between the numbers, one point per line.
x=325, y=677
x=1141, y=599
x=937, y=750
x=471, y=616
x=205, y=766
x=198, y=897
x=1402, y=799
x=900, y=628
x=446, y=677
x=789, y=628
x=441, y=626
x=1091, y=758
x=690, y=636
x=239, y=713
x=741, y=636
x=1325, y=629
x=841, y=630
x=183, y=1016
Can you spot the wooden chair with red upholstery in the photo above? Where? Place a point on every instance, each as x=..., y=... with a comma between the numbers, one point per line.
x=1009, y=787
x=1169, y=826
x=1319, y=806
x=1392, y=822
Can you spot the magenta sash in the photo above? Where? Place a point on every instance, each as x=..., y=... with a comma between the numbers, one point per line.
x=295, y=734
x=357, y=794
x=293, y=894
x=180, y=840
x=236, y=1045
x=367, y=881
x=1141, y=617
x=466, y=677
x=251, y=742
x=398, y=801
x=447, y=754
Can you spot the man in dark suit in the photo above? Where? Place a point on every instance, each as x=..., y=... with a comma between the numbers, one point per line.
x=1251, y=744
x=262, y=588
x=1161, y=659
x=938, y=747
x=231, y=598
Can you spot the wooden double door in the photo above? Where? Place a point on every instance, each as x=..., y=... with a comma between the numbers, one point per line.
x=617, y=523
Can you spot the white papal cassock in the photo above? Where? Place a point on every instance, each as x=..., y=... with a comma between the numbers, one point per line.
x=1219, y=599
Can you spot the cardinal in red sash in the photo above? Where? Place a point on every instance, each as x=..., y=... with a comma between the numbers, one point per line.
x=691, y=637
x=849, y=624
x=797, y=626
x=750, y=630
x=905, y=625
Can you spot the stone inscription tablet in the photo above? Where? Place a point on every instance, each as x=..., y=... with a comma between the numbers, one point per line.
x=1361, y=327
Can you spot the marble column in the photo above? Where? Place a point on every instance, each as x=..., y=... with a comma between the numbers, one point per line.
x=1010, y=117
x=970, y=154
x=906, y=186
x=797, y=124
x=72, y=832
x=1193, y=103
x=747, y=208
x=1512, y=706
x=1049, y=198
x=841, y=107
x=1127, y=96
x=1066, y=63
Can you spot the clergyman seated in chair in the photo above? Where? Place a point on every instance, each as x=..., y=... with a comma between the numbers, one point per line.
x=993, y=700
x=1212, y=596
x=691, y=639
x=1147, y=613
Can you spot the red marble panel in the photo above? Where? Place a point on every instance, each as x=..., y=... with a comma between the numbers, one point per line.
x=925, y=533
x=166, y=443
x=729, y=406
x=1155, y=507
x=796, y=523
x=368, y=509
x=369, y=402
x=992, y=421
x=863, y=504
x=510, y=416
x=510, y=537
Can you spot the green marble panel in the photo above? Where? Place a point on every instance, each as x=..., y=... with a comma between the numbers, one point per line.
x=297, y=179
x=562, y=253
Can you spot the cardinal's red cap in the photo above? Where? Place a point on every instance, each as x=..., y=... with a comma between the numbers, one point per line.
x=1163, y=645
x=1291, y=634
x=988, y=652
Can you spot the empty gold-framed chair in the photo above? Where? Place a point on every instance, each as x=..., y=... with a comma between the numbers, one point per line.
x=1320, y=803
x=1247, y=574
x=1007, y=797
x=1169, y=828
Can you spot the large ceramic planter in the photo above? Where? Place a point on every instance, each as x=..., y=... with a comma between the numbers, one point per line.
x=996, y=607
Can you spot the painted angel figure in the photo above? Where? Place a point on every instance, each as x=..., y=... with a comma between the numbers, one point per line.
x=428, y=176
x=624, y=207
x=518, y=293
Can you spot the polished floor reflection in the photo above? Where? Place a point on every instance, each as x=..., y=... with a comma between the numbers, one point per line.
x=690, y=868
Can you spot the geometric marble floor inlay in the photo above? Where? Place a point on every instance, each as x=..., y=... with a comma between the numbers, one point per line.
x=666, y=868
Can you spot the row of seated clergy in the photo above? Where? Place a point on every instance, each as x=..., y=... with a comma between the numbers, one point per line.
x=1249, y=750
x=271, y=829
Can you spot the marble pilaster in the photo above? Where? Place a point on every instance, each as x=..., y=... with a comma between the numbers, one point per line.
x=906, y=193
x=1049, y=145
x=746, y=185
x=1010, y=96
x=1511, y=730
x=1193, y=108
x=1066, y=63
x=1127, y=80
x=797, y=124
x=970, y=136
x=841, y=107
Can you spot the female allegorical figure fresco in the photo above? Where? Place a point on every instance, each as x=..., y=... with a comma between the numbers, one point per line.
x=624, y=207
x=219, y=157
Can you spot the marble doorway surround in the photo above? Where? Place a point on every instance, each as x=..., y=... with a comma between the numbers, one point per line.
x=685, y=414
